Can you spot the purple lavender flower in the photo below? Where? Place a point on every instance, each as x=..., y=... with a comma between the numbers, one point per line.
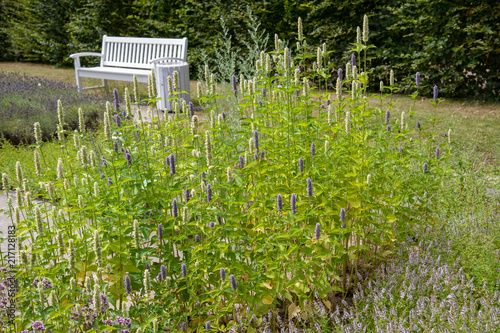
x=262, y=155
x=342, y=214
x=400, y=150
x=222, y=274
x=301, y=165
x=445, y=134
x=279, y=202
x=197, y=238
x=160, y=231
x=184, y=270
x=387, y=117
x=242, y=162
x=388, y=128
x=353, y=60
x=118, y=120
x=313, y=149
x=209, y=193
x=399, y=131
x=115, y=146
x=110, y=181
x=102, y=176
x=435, y=92
x=211, y=225
x=128, y=285
x=341, y=74
x=309, y=187
x=163, y=272
x=183, y=326
x=128, y=157
x=235, y=86
x=317, y=231
x=437, y=152
x=277, y=81
x=328, y=102
x=418, y=124
x=207, y=326
x=293, y=203
x=424, y=168
x=191, y=110
x=233, y=282
x=124, y=114
x=148, y=267
x=167, y=160
x=261, y=103
x=187, y=194
x=103, y=161
x=417, y=79
x=116, y=99
x=263, y=92
x=256, y=157
x=203, y=174
x=172, y=164
x=37, y=326
x=224, y=115
x=175, y=212
x=256, y=140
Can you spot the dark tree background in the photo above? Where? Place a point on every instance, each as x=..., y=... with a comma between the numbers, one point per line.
x=452, y=43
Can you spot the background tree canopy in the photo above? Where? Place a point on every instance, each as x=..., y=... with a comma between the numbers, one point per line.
x=454, y=44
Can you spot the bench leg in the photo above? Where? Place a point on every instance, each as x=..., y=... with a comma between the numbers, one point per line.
x=79, y=84
x=105, y=85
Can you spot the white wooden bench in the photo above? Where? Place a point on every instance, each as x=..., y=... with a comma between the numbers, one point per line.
x=122, y=57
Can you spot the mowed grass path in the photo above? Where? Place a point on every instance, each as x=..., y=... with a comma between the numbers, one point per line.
x=474, y=124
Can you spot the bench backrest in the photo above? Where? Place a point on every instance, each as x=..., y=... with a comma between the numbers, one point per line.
x=136, y=52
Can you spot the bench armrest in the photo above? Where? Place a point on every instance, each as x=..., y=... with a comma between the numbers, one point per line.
x=165, y=59
x=77, y=56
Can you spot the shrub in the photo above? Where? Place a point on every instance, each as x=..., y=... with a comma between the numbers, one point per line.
x=25, y=100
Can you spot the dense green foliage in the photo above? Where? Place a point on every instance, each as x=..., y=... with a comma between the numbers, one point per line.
x=453, y=44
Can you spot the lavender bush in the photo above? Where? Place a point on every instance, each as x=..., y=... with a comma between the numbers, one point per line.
x=25, y=100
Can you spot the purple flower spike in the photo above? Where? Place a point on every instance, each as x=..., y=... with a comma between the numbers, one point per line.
x=110, y=181
x=163, y=272
x=256, y=157
x=387, y=117
x=293, y=203
x=116, y=99
x=313, y=149
x=341, y=74
x=102, y=176
x=256, y=140
x=317, y=231
x=187, y=194
x=437, y=152
x=118, y=120
x=353, y=60
x=417, y=79
x=224, y=116
x=445, y=134
x=309, y=187
x=128, y=285
x=37, y=326
x=399, y=131
x=207, y=326
x=209, y=193
x=342, y=214
x=184, y=270
x=222, y=274
x=242, y=162
x=160, y=231
x=235, y=86
x=263, y=92
x=328, y=102
x=233, y=282
x=279, y=202
x=435, y=93
x=211, y=225
x=418, y=124
x=172, y=164
x=115, y=146
x=191, y=110
x=262, y=155
x=167, y=160
x=388, y=128
x=203, y=174
x=424, y=168
x=175, y=212
x=301, y=165
x=197, y=238
x=128, y=157
x=148, y=267
x=260, y=103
